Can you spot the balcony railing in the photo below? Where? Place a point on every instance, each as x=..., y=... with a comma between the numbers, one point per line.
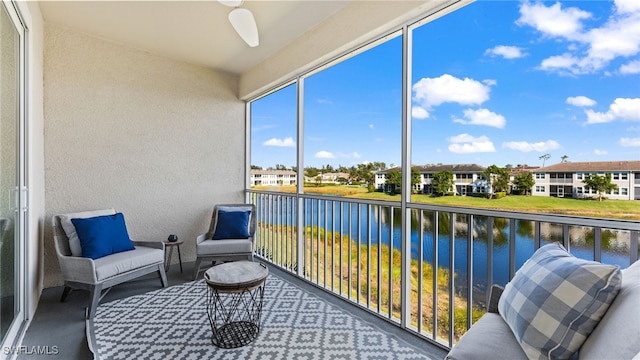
x=355, y=249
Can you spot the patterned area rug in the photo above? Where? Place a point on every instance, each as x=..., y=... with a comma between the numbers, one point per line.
x=172, y=323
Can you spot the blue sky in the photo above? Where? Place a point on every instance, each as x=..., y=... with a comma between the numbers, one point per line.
x=496, y=82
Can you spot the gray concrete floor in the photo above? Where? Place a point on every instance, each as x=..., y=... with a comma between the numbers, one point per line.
x=58, y=330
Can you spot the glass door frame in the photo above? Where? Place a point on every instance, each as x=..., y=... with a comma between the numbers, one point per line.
x=20, y=198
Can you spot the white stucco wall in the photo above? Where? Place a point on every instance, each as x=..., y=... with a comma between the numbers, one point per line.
x=35, y=154
x=159, y=140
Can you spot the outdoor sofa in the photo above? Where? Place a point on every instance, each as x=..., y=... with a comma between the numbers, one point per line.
x=611, y=331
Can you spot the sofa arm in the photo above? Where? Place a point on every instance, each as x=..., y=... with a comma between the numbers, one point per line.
x=494, y=297
x=151, y=244
x=80, y=269
x=201, y=238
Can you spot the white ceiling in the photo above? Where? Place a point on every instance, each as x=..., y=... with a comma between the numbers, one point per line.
x=197, y=32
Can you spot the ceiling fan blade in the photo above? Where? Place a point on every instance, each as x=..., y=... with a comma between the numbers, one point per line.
x=245, y=25
x=230, y=3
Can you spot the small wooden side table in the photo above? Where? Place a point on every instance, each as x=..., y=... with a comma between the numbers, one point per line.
x=167, y=260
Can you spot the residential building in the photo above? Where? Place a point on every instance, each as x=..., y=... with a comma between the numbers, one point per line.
x=329, y=178
x=273, y=177
x=467, y=178
x=566, y=179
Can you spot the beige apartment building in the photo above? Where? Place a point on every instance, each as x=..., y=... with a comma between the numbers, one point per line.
x=273, y=177
x=566, y=179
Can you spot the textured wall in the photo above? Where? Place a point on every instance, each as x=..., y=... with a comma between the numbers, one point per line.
x=162, y=141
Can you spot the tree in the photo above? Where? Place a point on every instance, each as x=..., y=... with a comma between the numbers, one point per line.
x=442, y=182
x=524, y=181
x=318, y=180
x=393, y=181
x=256, y=167
x=311, y=172
x=364, y=173
x=327, y=168
x=601, y=184
x=544, y=158
x=564, y=158
x=498, y=178
x=416, y=178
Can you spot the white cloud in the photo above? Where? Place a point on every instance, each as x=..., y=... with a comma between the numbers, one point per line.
x=430, y=92
x=622, y=109
x=590, y=50
x=482, y=117
x=627, y=6
x=467, y=144
x=633, y=67
x=600, y=152
x=618, y=37
x=594, y=117
x=418, y=112
x=580, y=101
x=324, y=101
x=324, y=155
x=507, y=52
x=558, y=62
x=630, y=142
x=371, y=126
x=286, y=142
x=553, y=21
x=527, y=146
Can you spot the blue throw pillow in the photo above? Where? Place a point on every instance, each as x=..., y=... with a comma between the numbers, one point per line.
x=102, y=235
x=232, y=225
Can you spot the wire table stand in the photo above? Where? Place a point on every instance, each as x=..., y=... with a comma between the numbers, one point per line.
x=235, y=298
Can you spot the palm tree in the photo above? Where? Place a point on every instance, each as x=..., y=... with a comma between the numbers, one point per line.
x=564, y=158
x=544, y=158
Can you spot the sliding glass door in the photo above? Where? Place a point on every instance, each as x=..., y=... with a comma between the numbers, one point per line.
x=12, y=174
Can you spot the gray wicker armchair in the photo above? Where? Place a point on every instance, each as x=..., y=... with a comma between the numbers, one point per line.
x=99, y=275
x=228, y=249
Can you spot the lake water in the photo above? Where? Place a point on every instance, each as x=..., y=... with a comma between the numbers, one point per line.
x=365, y=223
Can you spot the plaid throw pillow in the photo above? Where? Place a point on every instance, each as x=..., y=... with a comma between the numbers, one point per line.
x=556, y=300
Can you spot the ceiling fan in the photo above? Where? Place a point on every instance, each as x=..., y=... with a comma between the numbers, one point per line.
x=243, y=22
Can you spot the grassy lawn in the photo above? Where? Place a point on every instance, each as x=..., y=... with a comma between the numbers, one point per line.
x=611, y=209
x=617, y=209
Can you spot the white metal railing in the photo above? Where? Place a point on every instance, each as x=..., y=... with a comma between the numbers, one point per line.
x=353, y=249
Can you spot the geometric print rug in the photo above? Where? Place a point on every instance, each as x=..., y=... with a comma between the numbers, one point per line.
x=172, y=323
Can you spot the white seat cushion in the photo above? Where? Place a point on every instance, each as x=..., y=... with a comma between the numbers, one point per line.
x=122, y=262
x=229, y=246
x=489, y=338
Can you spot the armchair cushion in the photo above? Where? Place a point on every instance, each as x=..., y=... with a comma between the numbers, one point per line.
x=232, y=225
x=70, y=230
x=120, y=263
x=102, y=235
x=223, y=247
x=556, y=300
